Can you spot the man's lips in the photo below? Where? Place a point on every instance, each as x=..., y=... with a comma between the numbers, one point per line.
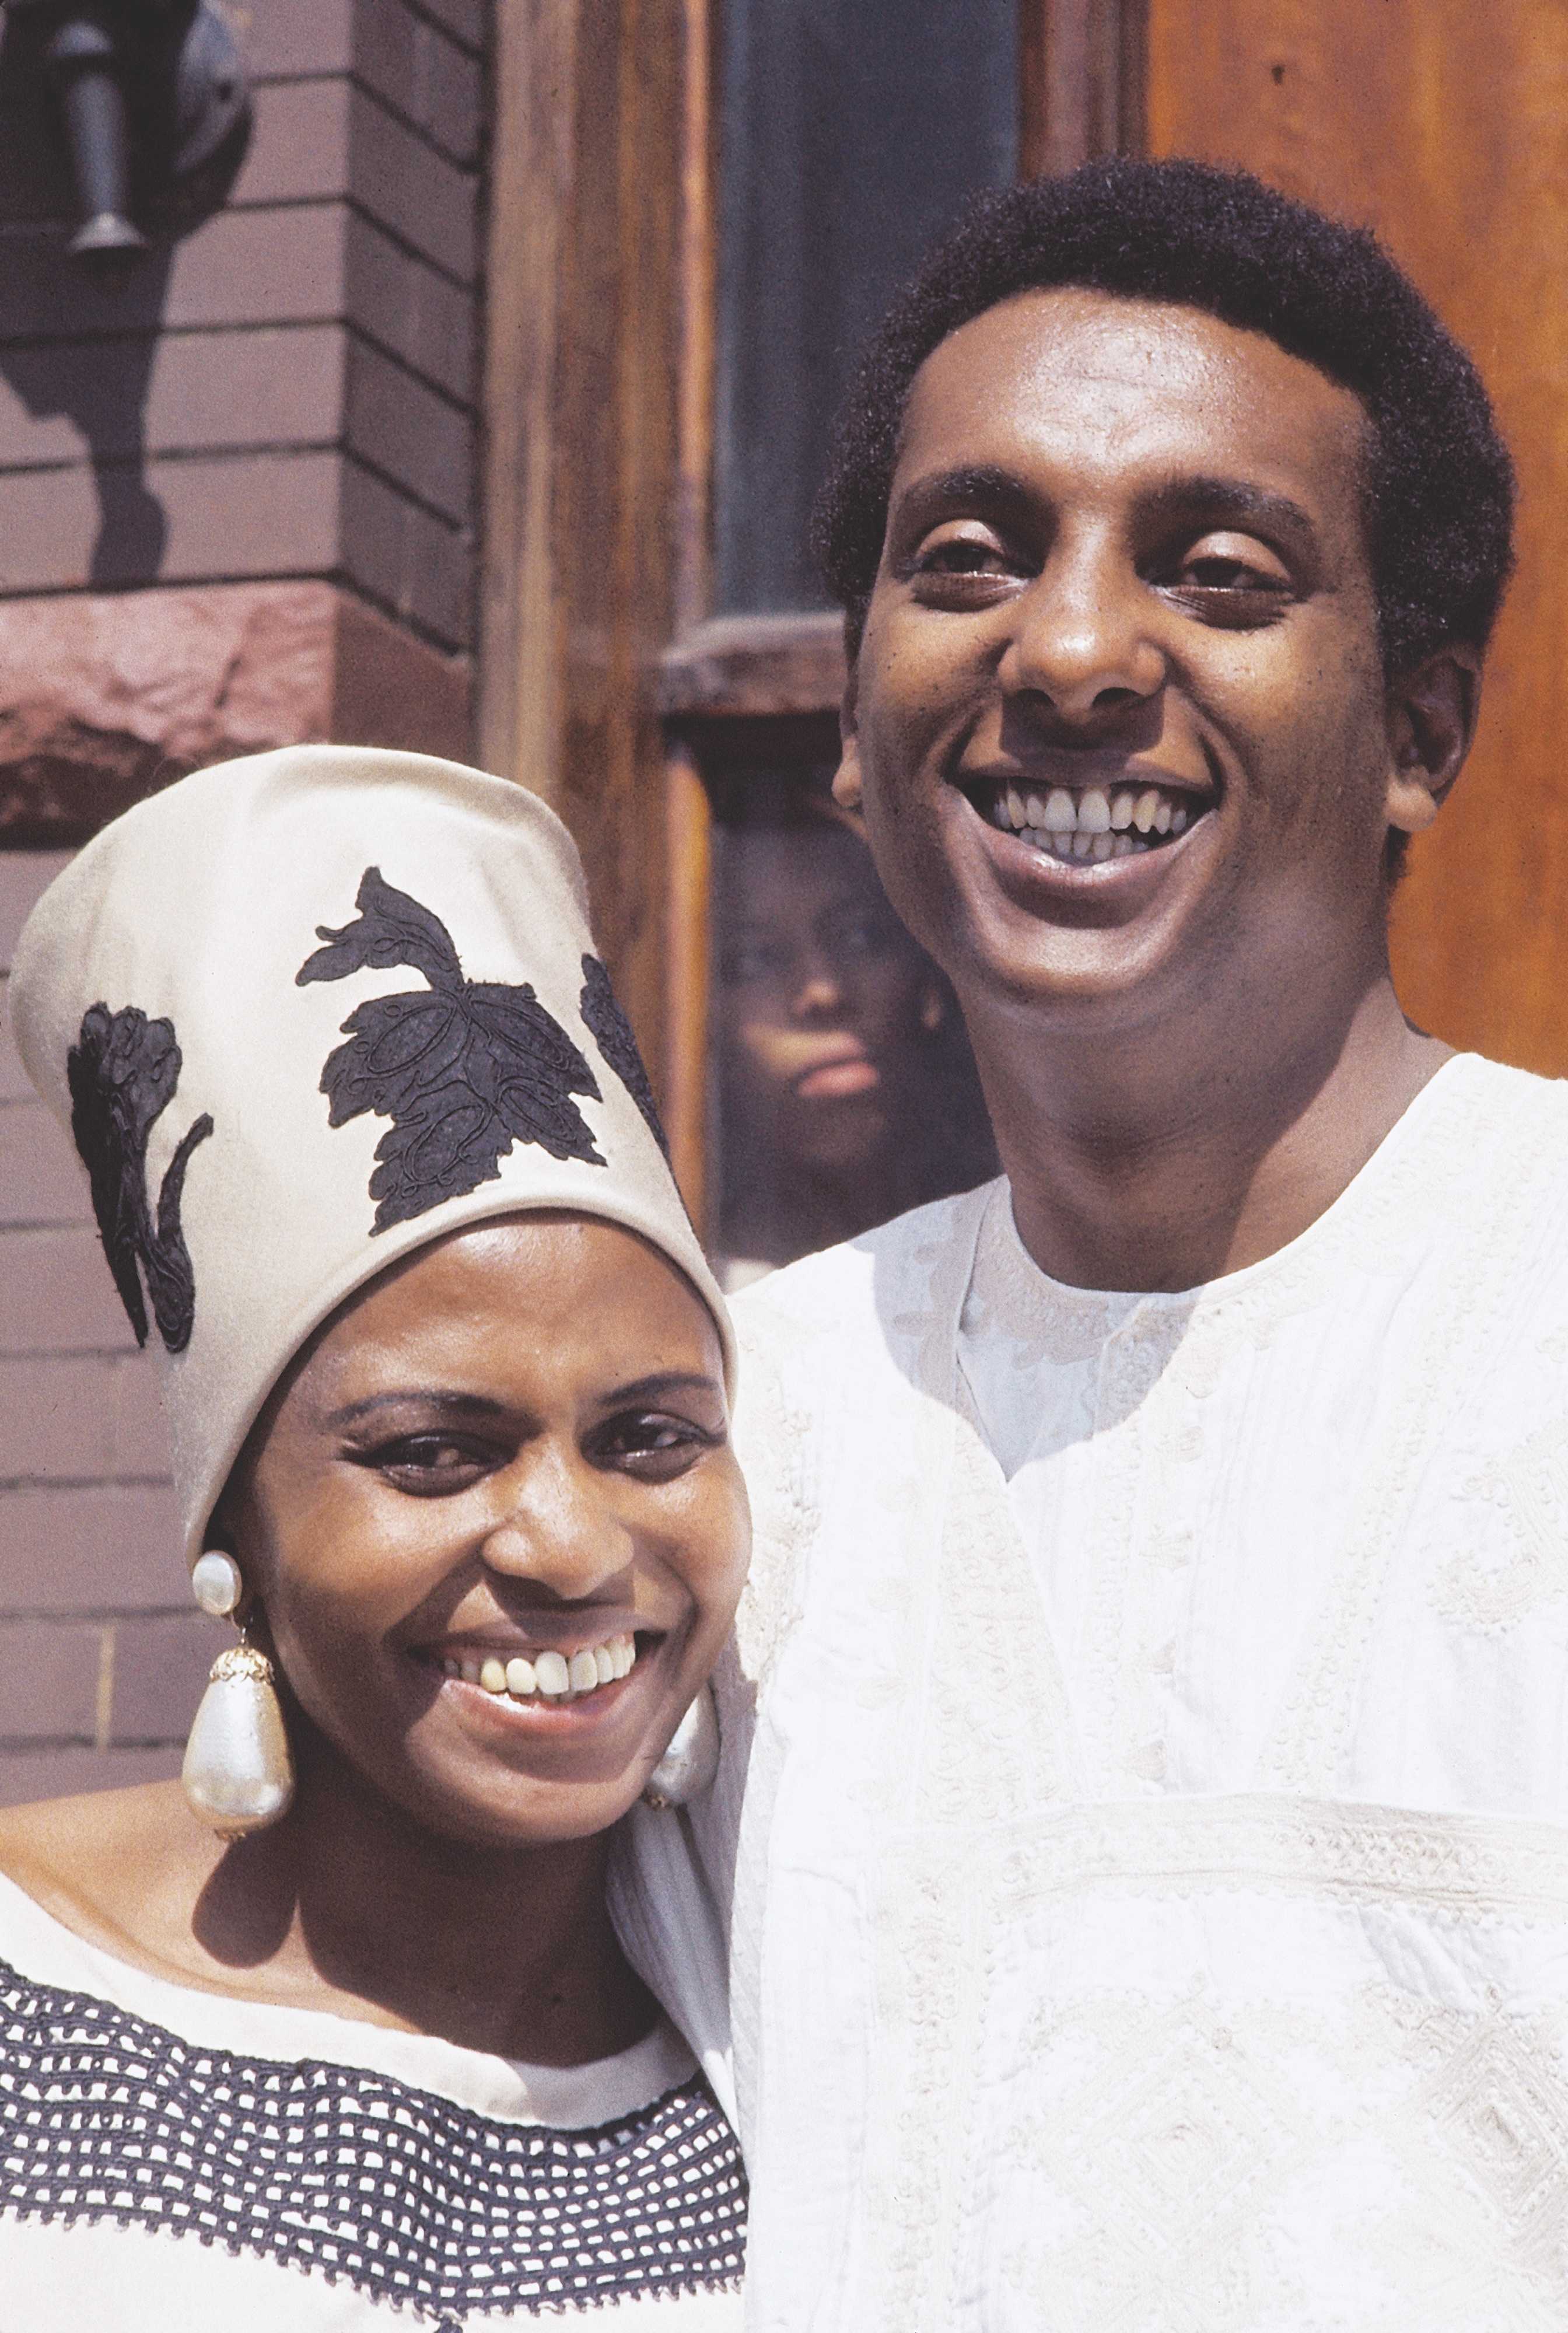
x=1093, y=823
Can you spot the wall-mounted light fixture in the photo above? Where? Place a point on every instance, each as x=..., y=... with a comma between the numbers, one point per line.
x=154, y=108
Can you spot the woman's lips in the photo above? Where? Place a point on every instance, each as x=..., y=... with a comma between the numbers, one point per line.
x=496, y=1694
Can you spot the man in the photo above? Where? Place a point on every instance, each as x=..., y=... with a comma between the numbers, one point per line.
x=1151, y=1902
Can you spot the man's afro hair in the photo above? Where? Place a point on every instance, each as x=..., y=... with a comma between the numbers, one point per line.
x=1439, y=487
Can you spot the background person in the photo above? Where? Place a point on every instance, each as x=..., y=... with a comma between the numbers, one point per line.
x=1151, y=1904
x=846, y=1090
x=375, y=1162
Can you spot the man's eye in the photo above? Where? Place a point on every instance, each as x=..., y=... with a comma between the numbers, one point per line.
x=956, y=556
x=1227, y=578
x=1219, y=574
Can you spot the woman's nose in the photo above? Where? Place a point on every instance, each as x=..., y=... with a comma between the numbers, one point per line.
x=558, y=1533
x=1081, y=635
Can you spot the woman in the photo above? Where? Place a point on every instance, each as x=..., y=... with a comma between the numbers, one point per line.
x=346, y=2027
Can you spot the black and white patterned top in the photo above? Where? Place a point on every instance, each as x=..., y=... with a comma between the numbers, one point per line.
x=319, y=2189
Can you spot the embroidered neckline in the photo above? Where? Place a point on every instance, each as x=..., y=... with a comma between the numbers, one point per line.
x=1386, y=1158
x=595, y=2090
x=354, y=2176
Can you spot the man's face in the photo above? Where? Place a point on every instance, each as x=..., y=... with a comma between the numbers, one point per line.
x=1125, y=605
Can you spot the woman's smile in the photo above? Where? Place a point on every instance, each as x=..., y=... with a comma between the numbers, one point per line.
x=558, y=1692
x=497, y=1528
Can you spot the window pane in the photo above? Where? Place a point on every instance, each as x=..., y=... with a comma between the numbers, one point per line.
x=852, y=133
x=844, y=1088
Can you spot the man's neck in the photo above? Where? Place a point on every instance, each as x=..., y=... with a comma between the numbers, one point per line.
x=1131, y=1169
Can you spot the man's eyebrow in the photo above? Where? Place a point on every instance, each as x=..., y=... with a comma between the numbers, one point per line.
x=985, y=482
x=1234, y=498
x=970, y=483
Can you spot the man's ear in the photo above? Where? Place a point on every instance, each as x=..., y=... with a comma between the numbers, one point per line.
x=846, y=791
x=1431, y=716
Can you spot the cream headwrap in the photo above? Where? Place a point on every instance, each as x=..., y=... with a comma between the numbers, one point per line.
x=304, y=1013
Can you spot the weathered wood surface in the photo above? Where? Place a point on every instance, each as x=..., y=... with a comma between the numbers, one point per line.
x=1080, y=81
x=600, y=131
x=1445, y=126
x=756, y=664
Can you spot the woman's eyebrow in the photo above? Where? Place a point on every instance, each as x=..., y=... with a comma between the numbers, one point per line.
x=663, y=1381
x=443, y=1399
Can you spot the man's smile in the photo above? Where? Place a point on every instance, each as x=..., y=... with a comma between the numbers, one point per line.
x=1092, y=825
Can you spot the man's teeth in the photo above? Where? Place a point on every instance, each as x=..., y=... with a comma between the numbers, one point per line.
x=1098, y=824
x=548, y=1676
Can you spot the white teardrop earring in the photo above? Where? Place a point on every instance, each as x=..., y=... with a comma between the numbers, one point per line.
x=238, y=1775
x=691, y=1760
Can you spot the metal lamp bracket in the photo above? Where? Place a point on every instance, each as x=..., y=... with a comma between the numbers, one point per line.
x=154, y=109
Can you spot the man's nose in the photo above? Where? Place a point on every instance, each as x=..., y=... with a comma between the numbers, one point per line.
x=1082, y=636
x=558, y=1533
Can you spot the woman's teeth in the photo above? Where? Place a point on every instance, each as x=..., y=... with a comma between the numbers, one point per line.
x=1094, y=823
x=548, y=1676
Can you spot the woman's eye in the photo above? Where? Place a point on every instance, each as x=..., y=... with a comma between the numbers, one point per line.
x=652, y=1445
x=431, y=1465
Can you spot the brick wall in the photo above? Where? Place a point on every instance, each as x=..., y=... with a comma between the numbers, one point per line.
x=290, y=389
x=237, y=504
x=101, y=1653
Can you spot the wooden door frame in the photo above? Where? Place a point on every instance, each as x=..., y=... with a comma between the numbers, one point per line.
x=602, y=670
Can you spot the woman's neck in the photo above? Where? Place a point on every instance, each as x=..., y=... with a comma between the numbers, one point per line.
x=350, y=1906
x=506, y=1949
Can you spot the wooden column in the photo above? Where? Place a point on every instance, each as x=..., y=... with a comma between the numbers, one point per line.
x=596, y=276
x=1080, y=81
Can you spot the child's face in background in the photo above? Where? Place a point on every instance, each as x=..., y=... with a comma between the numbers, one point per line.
x=821, y=995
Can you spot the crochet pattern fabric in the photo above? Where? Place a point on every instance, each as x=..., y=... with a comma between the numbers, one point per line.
x=348, y=2174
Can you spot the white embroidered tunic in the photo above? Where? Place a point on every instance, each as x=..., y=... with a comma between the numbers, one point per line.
x=176, y=2159
x=1151, y=1906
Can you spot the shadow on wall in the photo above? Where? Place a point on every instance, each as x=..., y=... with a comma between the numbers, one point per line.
x=74, y=346
x=101, y=387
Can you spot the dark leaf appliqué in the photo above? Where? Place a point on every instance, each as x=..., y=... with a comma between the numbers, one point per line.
x=464, y=1069
x=122, y=1072
x=612, y=1032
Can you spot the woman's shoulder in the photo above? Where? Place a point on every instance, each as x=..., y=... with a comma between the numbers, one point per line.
x=120, y=1870
x=104, y=1864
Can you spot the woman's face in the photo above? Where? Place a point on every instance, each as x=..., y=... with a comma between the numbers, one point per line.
x=820, y=995
x=503, y=1465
